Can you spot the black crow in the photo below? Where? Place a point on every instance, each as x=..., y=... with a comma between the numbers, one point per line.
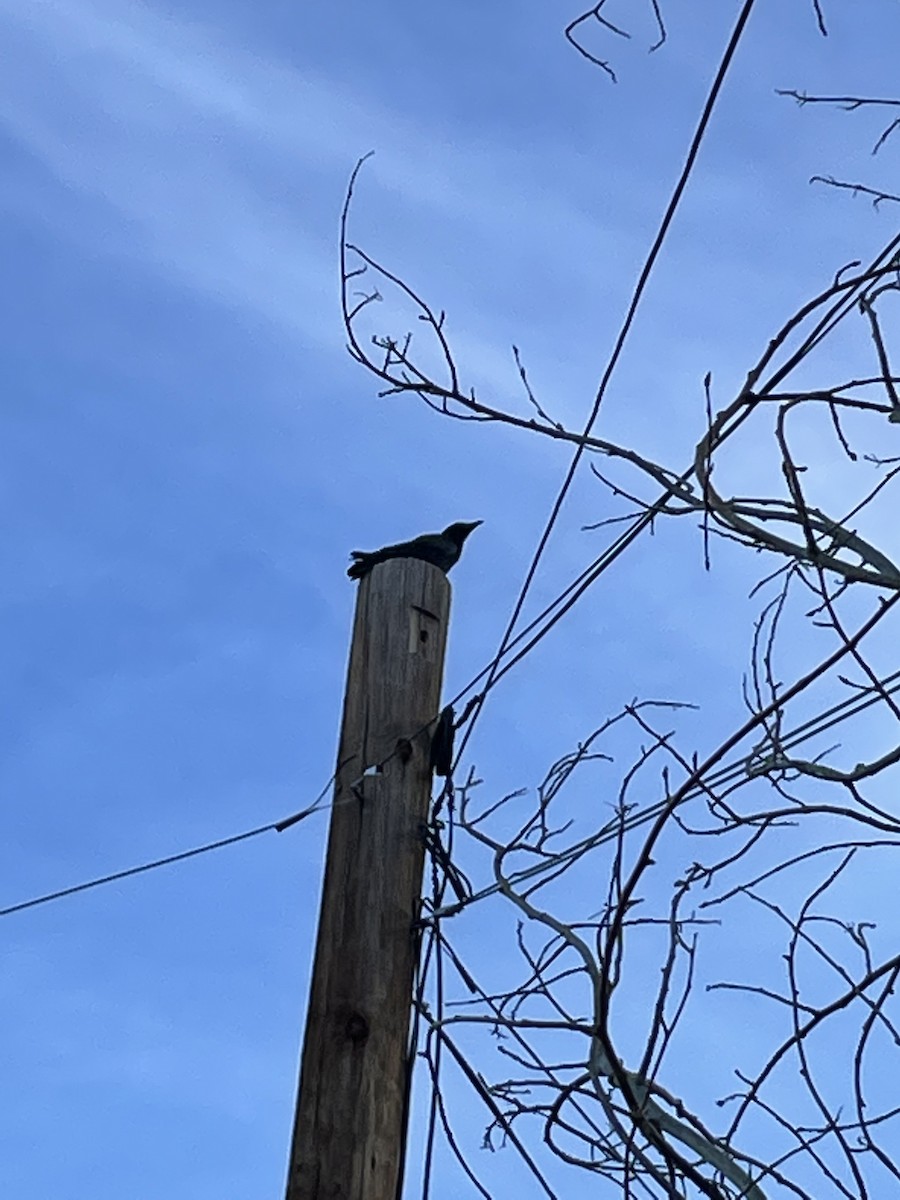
x=442, y=549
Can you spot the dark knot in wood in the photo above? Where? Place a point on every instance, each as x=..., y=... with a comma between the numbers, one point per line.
x=356, y=1028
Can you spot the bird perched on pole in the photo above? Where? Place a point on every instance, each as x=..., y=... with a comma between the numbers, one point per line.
x=441, y=549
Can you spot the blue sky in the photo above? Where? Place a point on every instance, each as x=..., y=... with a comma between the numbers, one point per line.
x=187, y=455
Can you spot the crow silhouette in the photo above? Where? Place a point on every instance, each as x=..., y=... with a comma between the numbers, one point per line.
x=441, y=549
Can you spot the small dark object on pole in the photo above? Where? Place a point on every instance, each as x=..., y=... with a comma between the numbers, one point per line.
x=442, y=743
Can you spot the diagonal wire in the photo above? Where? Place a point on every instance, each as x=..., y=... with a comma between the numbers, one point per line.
x=631, y=313
x=725, y=775
x=194, y=852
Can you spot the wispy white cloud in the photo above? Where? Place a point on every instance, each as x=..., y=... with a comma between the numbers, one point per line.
x=225, y=170
x=112, y=112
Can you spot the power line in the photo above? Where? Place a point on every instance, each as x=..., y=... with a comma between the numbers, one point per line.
x=621, y=339
x=723, y=777
x=207, y=848
x=831, y=717
x=150, y=866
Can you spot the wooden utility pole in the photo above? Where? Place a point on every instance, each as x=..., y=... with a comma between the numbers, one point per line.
x=351, y=1108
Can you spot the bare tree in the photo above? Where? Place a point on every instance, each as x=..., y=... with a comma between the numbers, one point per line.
x=763, y=831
